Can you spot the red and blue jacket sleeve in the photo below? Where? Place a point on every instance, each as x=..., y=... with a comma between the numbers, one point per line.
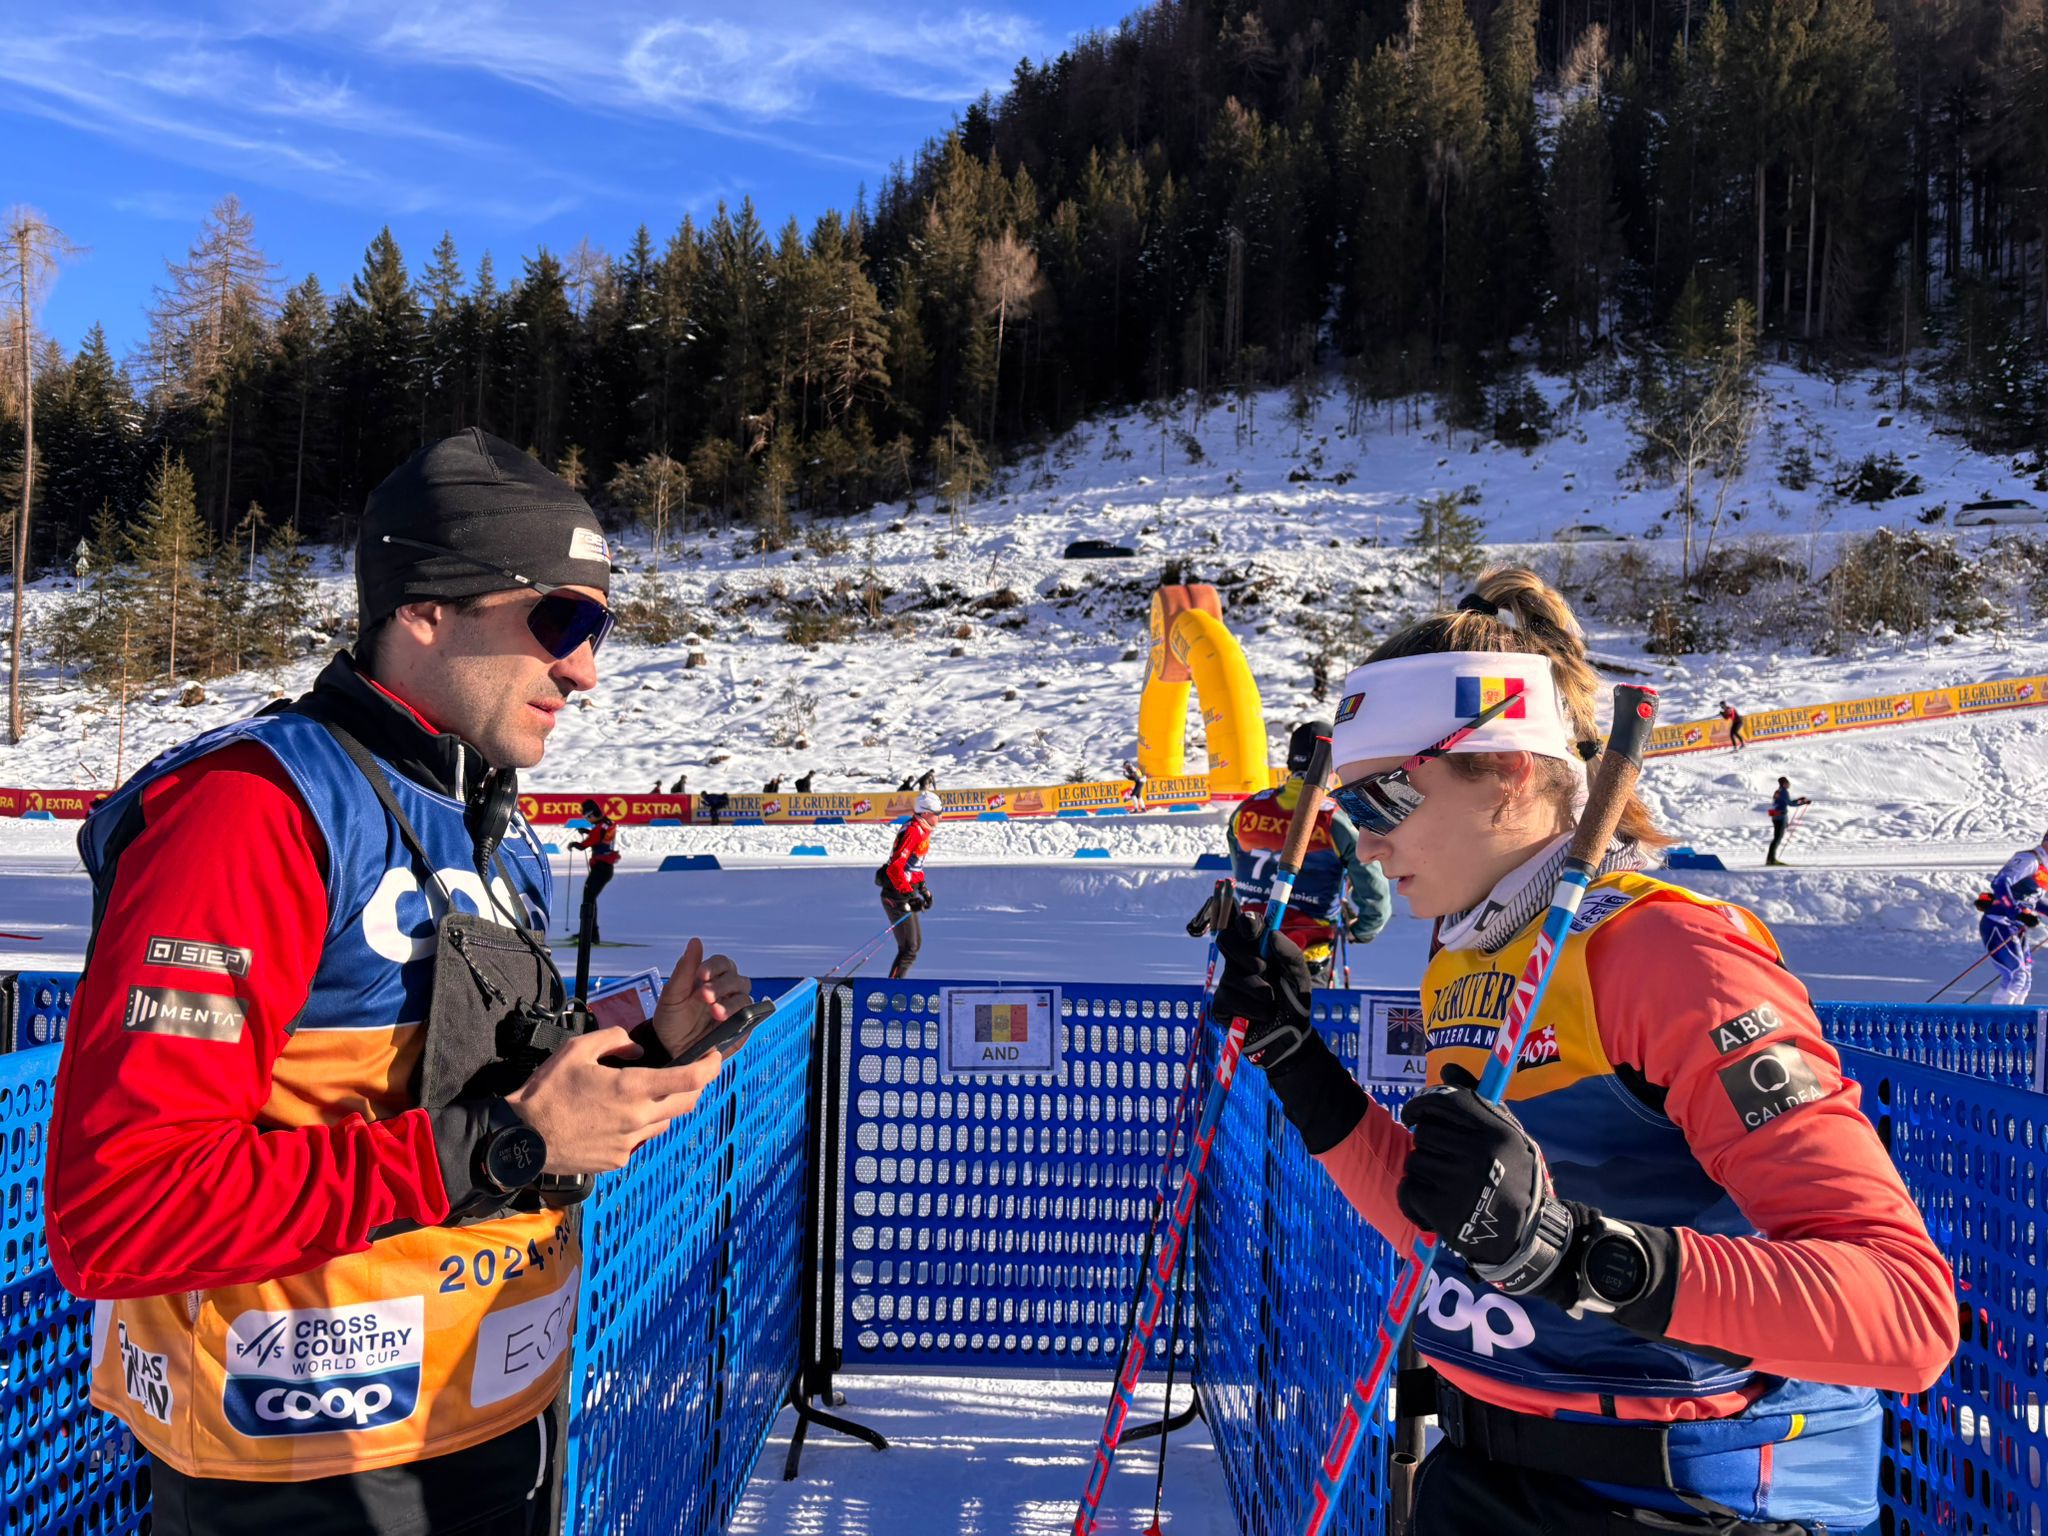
x=1842, y=1283
x=906, y=860
x=163, y=1176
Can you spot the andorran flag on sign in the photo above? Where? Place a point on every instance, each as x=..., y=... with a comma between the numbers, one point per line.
x=1002, y=1023
x=1477, y=694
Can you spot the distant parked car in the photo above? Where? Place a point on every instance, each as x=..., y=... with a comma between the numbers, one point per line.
x=1586, y=533
x=1097, y=549
x=2004, y=509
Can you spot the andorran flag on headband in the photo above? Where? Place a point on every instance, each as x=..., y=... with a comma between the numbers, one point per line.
x=1395, y=708
x=1479, y=694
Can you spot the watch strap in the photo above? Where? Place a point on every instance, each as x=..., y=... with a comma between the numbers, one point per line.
x=1542, y=1252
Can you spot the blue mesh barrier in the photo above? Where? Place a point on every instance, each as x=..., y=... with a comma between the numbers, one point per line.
x=1970, y=1455
x=1996, y=1044
x=1290, y=1284
x=64, y=1465
x=687, y=1318
x=35, y=1006
x=998, y=1222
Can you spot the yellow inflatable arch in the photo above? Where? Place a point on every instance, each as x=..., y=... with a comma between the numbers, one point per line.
x=1191, y=645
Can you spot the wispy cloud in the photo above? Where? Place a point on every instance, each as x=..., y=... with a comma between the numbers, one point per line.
x=384, y=104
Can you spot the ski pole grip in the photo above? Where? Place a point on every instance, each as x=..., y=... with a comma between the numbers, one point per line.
x=1315, y=788
x=1635, y=713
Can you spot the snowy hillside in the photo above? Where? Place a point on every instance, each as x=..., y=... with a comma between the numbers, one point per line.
x=996, y=661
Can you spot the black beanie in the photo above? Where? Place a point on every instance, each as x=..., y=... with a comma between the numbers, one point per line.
x=1301, y=745
x=478, y=494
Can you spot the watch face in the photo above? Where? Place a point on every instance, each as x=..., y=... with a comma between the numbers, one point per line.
x=1616, y=1268
x=515, y=1156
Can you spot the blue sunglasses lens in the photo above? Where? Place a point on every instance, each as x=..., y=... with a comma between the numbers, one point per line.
x=562, y=621
x=1378, y=804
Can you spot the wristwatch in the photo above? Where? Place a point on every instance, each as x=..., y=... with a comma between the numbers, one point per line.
x=511, y=1154
x=1614, y=1268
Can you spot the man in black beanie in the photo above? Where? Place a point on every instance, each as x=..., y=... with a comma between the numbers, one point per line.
x=246, y=1151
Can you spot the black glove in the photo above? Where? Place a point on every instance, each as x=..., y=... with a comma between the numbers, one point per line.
x=1476, y=1179
x=1270, y=992
x=921, y=897
x=2029, y=917
x=1986, y=901
x=1473, y=1177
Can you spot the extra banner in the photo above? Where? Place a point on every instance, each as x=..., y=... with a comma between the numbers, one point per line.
x=1120, y=797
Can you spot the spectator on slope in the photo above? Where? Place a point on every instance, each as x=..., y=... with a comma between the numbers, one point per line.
x=905, y=892
x=773, y=786
x=1680, y=1319
x=681, y=785
x=2010, y=911
x=328, y=1302
x=1734, y=718
x=803, y=781
x=1256, y=832
x=1781, y=815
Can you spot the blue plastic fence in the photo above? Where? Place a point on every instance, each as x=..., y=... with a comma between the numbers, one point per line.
x=997, y=1223
x=686, y=1339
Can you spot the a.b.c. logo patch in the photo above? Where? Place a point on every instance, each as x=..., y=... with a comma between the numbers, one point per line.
x=1746, y=1029
x=1773, y=1082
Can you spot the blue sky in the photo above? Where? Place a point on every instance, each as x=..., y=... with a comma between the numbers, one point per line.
x=511, y=123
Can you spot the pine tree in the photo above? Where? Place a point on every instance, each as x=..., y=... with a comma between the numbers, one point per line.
x=170, y=547
x=207, y=332
x=379, y=336
x=1449, y=539
x=959, y=472
x=30, y=250
x=89, y=443
x=1585, y=229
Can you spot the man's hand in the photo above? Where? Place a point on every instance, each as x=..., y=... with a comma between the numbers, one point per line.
x=593, y=1115
x=699, y=992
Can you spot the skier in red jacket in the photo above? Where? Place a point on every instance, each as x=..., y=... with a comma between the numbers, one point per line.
x=904, y=891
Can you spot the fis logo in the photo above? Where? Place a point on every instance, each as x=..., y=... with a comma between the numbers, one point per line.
x=1481, y=693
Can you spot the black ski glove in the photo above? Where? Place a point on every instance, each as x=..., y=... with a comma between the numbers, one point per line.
x=2030, y=917
x=1271, y=994
x=1476, y=1179
x=922, y=895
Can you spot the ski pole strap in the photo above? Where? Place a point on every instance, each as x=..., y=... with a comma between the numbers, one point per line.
x=1631, y=1455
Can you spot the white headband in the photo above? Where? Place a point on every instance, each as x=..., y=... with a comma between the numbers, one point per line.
x=1396, y=708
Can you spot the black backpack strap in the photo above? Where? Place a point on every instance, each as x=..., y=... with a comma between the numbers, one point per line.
x=380, y=785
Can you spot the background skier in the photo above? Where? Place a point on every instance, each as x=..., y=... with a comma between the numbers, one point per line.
x=905, y=892
x=2009, y=911
x=1256, y=831
x=601, y=841
x=1781, y=810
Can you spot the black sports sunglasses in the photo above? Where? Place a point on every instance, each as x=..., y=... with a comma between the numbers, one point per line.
x=561, y=621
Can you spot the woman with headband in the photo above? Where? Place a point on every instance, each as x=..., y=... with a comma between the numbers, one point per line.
x=1678, y=1265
